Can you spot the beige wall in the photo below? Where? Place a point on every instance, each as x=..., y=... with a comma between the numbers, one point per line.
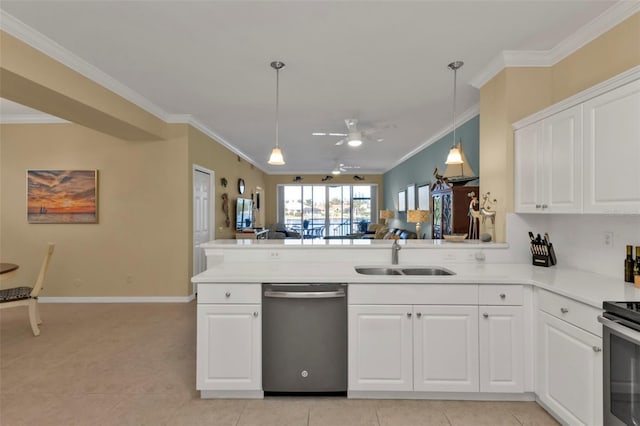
x=272, y=182
x=205, y=152
x=138, y=248
x=516, y=93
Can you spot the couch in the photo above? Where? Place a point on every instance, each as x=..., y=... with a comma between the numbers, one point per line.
x=279, y=231
x=381, y=231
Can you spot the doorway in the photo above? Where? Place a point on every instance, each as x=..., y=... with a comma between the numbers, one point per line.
x=203, y=214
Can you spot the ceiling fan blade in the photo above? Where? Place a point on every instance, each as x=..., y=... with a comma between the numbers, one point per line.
x=340, y=142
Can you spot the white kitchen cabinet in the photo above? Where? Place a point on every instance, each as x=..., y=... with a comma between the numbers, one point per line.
x=380, y=348
x=445, y=348
x=548, y=164
x=569, y=378
x=229, y=346
x=501, y=346
x=612, y=151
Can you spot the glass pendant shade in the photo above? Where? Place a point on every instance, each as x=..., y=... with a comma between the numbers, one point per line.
x=276, y=158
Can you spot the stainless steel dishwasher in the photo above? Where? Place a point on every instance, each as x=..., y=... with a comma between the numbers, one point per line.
x=304, y=338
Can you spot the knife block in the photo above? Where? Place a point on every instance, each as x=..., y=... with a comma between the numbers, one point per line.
x=545, y=259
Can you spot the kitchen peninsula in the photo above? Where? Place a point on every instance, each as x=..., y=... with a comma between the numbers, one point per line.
x=495, y=330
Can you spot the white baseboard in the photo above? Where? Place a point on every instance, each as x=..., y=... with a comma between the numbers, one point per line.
x=458, y=396
x=131, y=299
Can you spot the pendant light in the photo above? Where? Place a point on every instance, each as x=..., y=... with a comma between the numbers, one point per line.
x=455, y=156
x=276, y=158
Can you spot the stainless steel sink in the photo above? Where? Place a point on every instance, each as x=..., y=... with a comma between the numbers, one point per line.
x=372, y=270
x=378, y=271
x=427, y=271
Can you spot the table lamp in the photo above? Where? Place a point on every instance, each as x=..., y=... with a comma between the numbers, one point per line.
x=418, y=216
x=386, y=215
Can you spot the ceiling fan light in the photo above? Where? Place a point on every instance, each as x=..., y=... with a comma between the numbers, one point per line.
x=276, y=158
x=354, y=142
x=335, y=171
x=454, y=157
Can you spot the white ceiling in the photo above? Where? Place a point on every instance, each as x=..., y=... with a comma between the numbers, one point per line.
x=383, y=62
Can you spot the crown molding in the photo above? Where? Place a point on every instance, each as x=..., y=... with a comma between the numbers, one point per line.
x=460, y=120
x=30, y=119
x=192, y=121
x=546, y=58
x=619, y=80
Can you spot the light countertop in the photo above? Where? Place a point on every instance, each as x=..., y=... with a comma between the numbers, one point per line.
x=582, y=286
x=297, y=243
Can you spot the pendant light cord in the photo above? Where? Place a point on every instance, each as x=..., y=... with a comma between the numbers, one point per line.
x=277, y=103
x=455, y=73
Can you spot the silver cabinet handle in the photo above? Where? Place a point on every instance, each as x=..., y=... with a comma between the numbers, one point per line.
x=228, y=294
x=564, y=310
x=538, y=206
x=597, y=349
x=544, y=206
x=255, y=314
x=419, y=314
x=305, y=294
x=408, y=314
x=503, y=296
x=486, y=315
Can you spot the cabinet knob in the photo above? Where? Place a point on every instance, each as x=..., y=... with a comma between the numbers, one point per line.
x=538, y=206
x=564, y=310
x=419, y=314
x=227, y=294
x=255, y=314
x=544, y=206
x=485, y=315
x=597, y=349
x=502, y=296
x=408, y=314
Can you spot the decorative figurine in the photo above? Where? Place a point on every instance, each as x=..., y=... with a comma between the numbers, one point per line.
x=474, y=216
x=487, y=210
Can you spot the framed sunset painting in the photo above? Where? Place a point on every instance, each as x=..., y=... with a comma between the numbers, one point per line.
x=62, y=196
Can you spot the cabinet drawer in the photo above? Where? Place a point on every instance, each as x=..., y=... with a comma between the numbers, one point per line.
x=229, y=293
x=576, y=313
x=413, y=294
x=501, y=295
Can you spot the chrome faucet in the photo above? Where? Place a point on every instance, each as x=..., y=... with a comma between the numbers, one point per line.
x=395, y=248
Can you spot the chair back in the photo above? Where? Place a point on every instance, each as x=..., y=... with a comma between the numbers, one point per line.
x=43, y=271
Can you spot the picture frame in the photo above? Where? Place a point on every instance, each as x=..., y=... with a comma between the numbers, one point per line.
x=423, y=197
x=62, y=196
x=402, y=199
x=411, y=197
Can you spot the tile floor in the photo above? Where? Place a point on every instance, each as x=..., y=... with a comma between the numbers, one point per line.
x=134, y=364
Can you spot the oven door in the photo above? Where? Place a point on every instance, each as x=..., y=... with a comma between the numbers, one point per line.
x=621, y=370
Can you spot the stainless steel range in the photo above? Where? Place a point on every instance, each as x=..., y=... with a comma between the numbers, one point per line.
x=621, y=338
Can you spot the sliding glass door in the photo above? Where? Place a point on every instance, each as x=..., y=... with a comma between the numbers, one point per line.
x=318, y=211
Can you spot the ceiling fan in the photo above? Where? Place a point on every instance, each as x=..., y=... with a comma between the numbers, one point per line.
x=341, y=167
x=354, y=136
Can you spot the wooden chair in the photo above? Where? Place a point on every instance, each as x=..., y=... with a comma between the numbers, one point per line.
x=27, y=296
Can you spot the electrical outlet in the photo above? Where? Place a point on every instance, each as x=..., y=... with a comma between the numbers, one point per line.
x=274, y=255
x=608, y=239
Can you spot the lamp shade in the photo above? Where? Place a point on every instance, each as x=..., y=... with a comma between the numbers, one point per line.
x=417, y=216
x=454, y=157
x=386, y=214
x=276, y=157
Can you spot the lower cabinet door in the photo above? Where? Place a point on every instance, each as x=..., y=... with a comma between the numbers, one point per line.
x=445, y=348
x=229, y=348
x=380, y=356
x=501, y=349
x=569, y=371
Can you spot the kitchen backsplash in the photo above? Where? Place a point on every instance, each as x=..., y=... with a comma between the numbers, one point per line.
x=579, y=240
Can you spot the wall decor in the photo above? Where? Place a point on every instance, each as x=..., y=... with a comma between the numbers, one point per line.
x=241, y=186
x=423, y=197
x=411, y=197
x=62, y=196
x=402, y=199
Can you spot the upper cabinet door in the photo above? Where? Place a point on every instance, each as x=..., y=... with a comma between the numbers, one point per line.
x=612, y=151
x=528, y=176
x=562, y=162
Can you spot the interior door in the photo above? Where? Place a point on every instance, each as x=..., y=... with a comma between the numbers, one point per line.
x=202, y=216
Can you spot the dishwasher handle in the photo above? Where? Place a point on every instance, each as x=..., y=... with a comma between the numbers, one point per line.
x=305, y=294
